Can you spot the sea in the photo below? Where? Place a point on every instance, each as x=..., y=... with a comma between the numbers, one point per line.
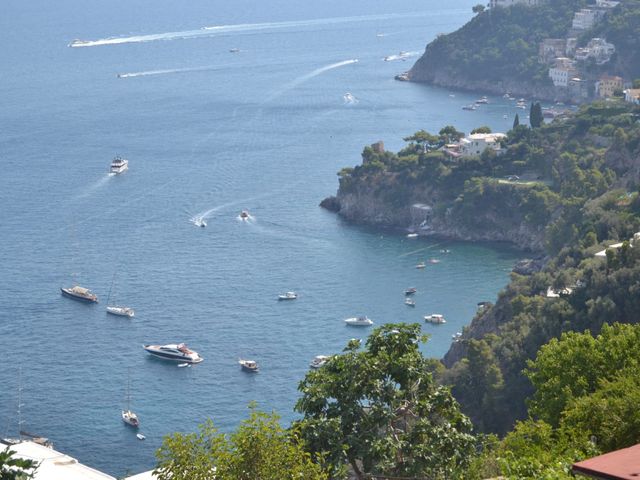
x=219, y=107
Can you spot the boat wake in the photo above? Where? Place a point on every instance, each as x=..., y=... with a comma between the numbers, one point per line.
x=169, y=71
x=304, y=78
x=401, y=56
x=94, y=186
x=241, y=28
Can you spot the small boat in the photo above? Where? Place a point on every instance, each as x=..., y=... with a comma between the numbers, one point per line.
x=234, y=50
x=435, y=318
x=483, y=100
x=174, y=351
x=434, y=260
x=244, y=215
x=319, y=361
x=410, y=291
x=248, y=366
x=288, y=296
x=121, y=311
x=79, y=293
x=469, y=107
x=445, y=250
x=128, y=416
x=119, y=165
x=140, y=436
x=412, y=235
x=200, y=222
x=421, y=265
x=361, y=321
x=409, y=303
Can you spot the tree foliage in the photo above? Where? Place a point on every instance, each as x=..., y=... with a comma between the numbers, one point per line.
x=259, y=449
x=16, y=468
x=378, y=410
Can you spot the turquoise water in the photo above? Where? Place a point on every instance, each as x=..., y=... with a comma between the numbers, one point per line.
x=208, y=133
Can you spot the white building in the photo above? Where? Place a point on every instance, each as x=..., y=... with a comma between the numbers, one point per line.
x=586, y=18
x=563, y=71
x=598, y=49
x=606, y=4
x=476, y=143
x=55, y=465
x=632, y=95
x=509, y=3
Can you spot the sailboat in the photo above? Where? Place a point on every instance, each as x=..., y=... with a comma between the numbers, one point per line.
x=116, y=309
x=128, y=416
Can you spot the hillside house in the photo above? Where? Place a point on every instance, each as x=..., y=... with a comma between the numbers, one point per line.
x=608, y=85
x=475, y=144
x=509, y=3
x=563, y=71
x=632, y=95
x=585, y=18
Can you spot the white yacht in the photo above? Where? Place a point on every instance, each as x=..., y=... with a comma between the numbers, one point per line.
x=174, y=351
x=319, y=361
x=119, y=165
x=288, y=296
x=79, y=293
x=409, y=303
x=421, y=265
x=130, y=418
x=362, y=320
x=249, y=365
x=435, y=318
x=483, y=100
x=120, y=311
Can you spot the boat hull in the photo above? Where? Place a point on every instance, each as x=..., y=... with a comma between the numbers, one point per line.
x=80, y=298
x=119, y=312
x=171, y=356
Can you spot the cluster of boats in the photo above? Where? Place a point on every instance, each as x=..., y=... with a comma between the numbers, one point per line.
x=474, y=106
x=434, y=318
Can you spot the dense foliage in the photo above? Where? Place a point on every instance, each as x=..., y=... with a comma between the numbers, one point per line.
x=501, y=43
x=378, y=410
x=15, y=468
x=259, y=450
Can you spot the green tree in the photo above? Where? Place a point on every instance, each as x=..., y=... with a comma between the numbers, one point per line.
x=636, y=83
x=450, y=134
x=535, y=115
x=379, y=410
x=516, y=122
x=483, y=129
x=479, y=8
x=259, y=449
x=14, y=468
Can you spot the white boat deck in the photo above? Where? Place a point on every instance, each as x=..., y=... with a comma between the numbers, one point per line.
x=55, y=465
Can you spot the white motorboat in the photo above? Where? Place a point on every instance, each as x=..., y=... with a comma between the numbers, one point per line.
x=234, y=50
x=79, y=293
x=483, y=100
x=361, y=321
x=249, y=365
x=288, y=296
x=319, y=361
x=174, y=351
x=409, y=303
x=121, y=311
x=140, y=436
x=421, y=265
x=412, y=235
x=469, y=107
x=244, y=215
x=435, y=318
x=434, y=260
x=119, y=165
x=200, y=222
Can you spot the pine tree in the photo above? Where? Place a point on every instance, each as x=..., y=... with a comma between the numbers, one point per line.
x=516, y=122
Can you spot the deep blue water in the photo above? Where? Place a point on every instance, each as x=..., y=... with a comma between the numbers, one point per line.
x=207, y=132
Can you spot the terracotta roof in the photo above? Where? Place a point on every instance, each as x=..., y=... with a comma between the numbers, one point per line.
x=619, y=465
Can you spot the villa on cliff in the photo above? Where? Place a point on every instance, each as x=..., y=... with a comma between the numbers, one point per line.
x=474, y=145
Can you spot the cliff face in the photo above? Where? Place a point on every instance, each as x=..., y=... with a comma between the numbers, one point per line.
x=423, y=72
x=366, y=206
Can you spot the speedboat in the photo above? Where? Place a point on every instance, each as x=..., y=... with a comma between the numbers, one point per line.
x=483, y=100
x=130, y=418
x=120, y=311
x=234, y=50
x=412, y=235
x=361, y=321
x=119, y=165
x=200, y=222
x=469, y=107
x=79, y=293
x=409, y=303
x=244, y=215
x=288, y=296
x=410, y=291
x=248, y=365
x=435, y=318
x=319, y=361
x=174, y=351
x=434, y=260
x=421, y=265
